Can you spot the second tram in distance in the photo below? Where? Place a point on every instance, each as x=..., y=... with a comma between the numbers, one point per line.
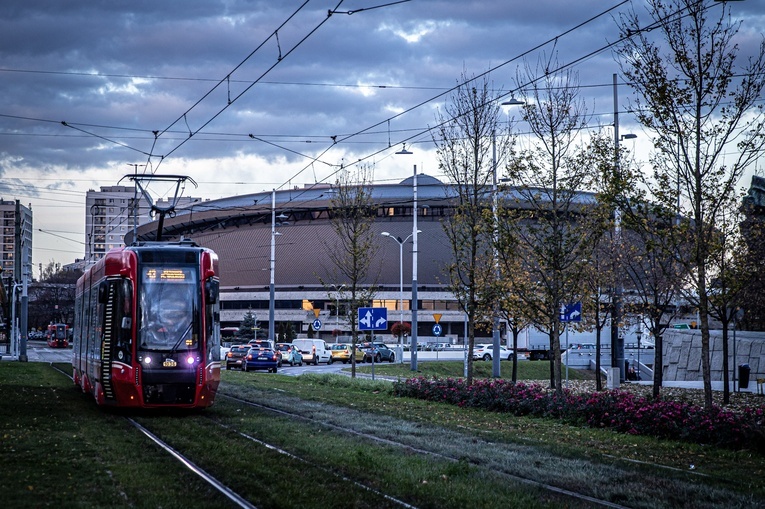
x=147, y=329
x=57, y=335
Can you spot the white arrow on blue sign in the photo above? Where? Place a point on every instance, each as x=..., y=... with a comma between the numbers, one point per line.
x=437, y=330
x=317, y=324
x=571, y=312
x=373, y=318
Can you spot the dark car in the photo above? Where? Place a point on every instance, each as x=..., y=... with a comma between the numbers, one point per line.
x=377, y=352
x=235, y=355
x=261, y=358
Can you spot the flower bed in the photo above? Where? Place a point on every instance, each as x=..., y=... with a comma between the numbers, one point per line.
x=617, y=410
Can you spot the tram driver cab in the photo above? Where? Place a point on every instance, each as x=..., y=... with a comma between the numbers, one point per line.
x=167, y=310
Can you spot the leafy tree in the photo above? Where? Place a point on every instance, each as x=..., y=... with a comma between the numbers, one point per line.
x=354, y=249
x=466, y=139
x=51, y=300
x=248, y=327
x=697, y=101
x=401, y=329
x=547, y=219
x=654, y=273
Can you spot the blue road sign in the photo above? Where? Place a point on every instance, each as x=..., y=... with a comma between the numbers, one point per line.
x=571, y=312
x=316, y=324
x=373, y=318
x=437, y=330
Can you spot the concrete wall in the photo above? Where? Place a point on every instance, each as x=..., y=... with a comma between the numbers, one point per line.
x=682, y=354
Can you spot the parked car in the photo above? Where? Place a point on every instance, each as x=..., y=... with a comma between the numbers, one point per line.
x=486, y=352
x=261, y=358
x=265, y=343
x=235, y=355
x=377, y=352
x=314, y=350
x=340, y=352
x=262, y=343
x=290, y=354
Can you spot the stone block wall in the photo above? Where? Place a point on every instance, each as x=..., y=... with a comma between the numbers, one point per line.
x=682, y=354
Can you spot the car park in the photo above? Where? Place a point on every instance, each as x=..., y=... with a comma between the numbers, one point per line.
x=486, y=352
x=261, y=358
x=377, y=352
x=290, y=354
x=235, y=355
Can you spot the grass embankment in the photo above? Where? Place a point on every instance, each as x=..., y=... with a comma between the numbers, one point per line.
x=67, y=452
x=527, y=370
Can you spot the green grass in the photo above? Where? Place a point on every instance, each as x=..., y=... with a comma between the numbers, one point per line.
x=527, y=370
x=69, y=453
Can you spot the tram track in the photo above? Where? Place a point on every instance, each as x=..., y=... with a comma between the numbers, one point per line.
x=370, y=437
x=242, y=502
x=318, y=415
x=209, y=479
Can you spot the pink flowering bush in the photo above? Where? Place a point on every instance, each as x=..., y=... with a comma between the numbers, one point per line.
x=617, y=410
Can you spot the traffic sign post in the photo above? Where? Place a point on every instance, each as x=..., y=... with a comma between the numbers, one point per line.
x=570, y=313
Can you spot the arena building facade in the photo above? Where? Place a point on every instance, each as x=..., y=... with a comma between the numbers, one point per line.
x=239, y=229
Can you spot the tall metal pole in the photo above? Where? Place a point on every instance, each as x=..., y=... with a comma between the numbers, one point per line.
x=617, y=343
x=401, y=282
x=271, y=324
x=414, y=273
x=24, y=306
x=495, y=368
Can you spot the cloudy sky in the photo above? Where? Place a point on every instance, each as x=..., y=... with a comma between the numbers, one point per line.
x=249, y=95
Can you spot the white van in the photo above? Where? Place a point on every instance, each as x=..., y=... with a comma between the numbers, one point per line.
x=314, y=350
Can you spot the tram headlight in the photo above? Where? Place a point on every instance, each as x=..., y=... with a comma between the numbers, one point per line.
x=147, y=360
x=190, y=360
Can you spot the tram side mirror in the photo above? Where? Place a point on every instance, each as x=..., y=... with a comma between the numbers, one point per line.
x=126, y=322
x=103, y=292
x=212, y=287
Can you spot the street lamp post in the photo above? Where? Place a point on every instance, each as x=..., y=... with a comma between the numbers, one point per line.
x=337, y=302
x=617, y=342
x=413, y=348
x=400, y=270
x=272, y=261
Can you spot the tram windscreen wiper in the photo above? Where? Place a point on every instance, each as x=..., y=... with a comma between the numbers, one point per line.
x=180, y=339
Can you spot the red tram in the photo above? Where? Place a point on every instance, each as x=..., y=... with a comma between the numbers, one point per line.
x=147, y=327
x=57, y=335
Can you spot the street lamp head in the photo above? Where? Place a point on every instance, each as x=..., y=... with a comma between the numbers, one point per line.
x=513, y=102
x=629, y=136
x=404, y=151
x=385, y=234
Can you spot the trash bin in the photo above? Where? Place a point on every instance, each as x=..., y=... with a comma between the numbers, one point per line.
x=743, y=376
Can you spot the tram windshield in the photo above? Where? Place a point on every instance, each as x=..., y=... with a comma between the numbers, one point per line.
x=169, y=308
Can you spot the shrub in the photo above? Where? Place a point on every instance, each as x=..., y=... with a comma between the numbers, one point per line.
x=617, y=410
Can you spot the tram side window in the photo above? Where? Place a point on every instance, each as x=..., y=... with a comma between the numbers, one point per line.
x=123, y=313
x=212, y=320
x=115, y=301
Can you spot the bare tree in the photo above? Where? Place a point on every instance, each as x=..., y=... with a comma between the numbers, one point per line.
x=467, y=137
x=698, y=103
x=354, y=250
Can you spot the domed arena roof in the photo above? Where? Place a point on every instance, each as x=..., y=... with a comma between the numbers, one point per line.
x=422, y=180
